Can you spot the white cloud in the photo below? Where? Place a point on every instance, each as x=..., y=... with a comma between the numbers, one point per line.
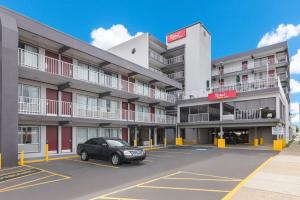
x=295, y=86
x=294, y=107
x=107, y=38
x=282, y=33
x=295, y=118
x=295, y=63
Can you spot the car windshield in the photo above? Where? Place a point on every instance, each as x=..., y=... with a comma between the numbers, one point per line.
x=117, y=143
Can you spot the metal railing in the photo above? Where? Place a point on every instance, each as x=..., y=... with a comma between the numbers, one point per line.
x=257, y=64
x=36, y=106
x=176, y=75
x=199, y=117
x=50, y=65
x=174, y=60
x=166, y=61
x=157, y=71
x=246, y=86
x=247, y=114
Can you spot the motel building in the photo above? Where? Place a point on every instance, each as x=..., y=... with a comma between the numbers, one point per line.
x=60, y=91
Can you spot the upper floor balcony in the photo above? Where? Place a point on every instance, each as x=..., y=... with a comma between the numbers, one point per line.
x=256, y=64
x=58, y=67
x=165, y=61
x=176, y=75
x=47, y=107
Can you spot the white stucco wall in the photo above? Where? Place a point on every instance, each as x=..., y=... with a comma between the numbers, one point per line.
x=141, y=46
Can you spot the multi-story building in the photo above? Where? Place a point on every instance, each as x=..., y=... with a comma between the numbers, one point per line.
x=59, y=91
x=248, y=95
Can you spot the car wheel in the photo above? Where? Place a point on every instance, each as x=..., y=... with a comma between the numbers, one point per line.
x=115, y=159
x=84, y=156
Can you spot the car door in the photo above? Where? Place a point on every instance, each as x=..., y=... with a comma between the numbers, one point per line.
x=105, y=152
x=94, y=150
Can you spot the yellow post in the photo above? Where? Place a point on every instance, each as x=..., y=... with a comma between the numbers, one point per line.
x=261, y=141
x=47, y=153
x=215, y=141
x=0, y=161
x=179, y=141
x=221, y=143
x=255, y=142
x=283, y=142
x=277, y=145
x=165, y=142
x=22, y=158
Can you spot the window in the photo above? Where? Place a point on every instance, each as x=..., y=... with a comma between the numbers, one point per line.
x=272, y=73
x=29, y=139
x=84, y=134
x=271, y=60
x=111, y=132
x=93, y=74
x=29, y=101
x=221, y=81
x=29, y=55
x=244, y=65
x=83, y=71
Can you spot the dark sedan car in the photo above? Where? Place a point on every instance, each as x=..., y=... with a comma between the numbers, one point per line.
x=112, y=149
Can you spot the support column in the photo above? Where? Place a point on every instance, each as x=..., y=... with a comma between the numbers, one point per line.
x=9, y=38
x=135, y=136
x=255, y=139
x=150, y=139
x=59, y=139
x=128, y=135
x=155, y=136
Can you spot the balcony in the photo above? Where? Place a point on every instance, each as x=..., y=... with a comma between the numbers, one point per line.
x=176, y=75
x=199, y=117
x=258, y=63
x=47, y=107
x=46, y=64
x=247, y=86
x=165, y=61
x=158, y=71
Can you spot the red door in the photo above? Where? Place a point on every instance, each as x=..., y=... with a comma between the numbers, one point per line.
x=66, y=66
x=52, y=104
x=52, y=138
x=125, y=110
x=125, y=83
x=51, y=60
x=152, y=111
x=66, y=106
x=132, y=111
x=66, y=138
x=125, y=134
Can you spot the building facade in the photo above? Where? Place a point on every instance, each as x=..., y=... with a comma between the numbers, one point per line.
x=59, y=91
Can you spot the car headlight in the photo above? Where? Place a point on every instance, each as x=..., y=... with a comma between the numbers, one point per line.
x=127, y=153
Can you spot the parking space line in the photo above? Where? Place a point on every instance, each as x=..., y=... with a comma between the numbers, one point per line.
x=180, y=188
x=159, y=156
x=187, y=153
x=92, y=163
x=24, y=183
x=133, y=186
x=54, y=173
x=209, y=175
x=204, y=179
x=11, y=168
x=120, y=198
x=36, y=184
x=20, y=177
x=23, y=170
x=147, y=160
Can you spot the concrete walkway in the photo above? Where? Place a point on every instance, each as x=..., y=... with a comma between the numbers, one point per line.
x=279, y=179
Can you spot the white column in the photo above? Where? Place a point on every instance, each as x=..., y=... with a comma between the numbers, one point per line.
x=155, y=136
x=59, y=103
x=41, y=60
x=277, y=108
x=74, y=139
x=59, y=139
x=135, y=135
x=149, y=134
x=59, y=64
x=128, y=133
x=221, y=132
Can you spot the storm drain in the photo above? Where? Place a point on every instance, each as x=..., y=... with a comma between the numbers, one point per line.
x=21, y=173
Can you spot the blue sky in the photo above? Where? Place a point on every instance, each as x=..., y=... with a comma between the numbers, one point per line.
x=235, y=25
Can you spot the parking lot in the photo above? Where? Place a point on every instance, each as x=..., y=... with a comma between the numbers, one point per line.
x=172, y=173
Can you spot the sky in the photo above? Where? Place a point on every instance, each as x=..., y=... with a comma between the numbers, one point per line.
x=234, y=25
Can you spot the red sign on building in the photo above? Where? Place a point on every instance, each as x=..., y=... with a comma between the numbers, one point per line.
x=222, y=95
x=176, y=35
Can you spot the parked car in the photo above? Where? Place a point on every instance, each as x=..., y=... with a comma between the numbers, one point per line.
x=115, y=150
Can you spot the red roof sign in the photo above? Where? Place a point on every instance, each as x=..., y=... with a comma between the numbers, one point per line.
x=176, y=35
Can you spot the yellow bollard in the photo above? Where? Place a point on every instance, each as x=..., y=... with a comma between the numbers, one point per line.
x=47, y=153
x=277, y=145
x=215, y=141
x=255, y=142
x=0, y=161
x=283, y=143
x=221, y=143
x=261, y=141
x=165, y=142
x=22, y=158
